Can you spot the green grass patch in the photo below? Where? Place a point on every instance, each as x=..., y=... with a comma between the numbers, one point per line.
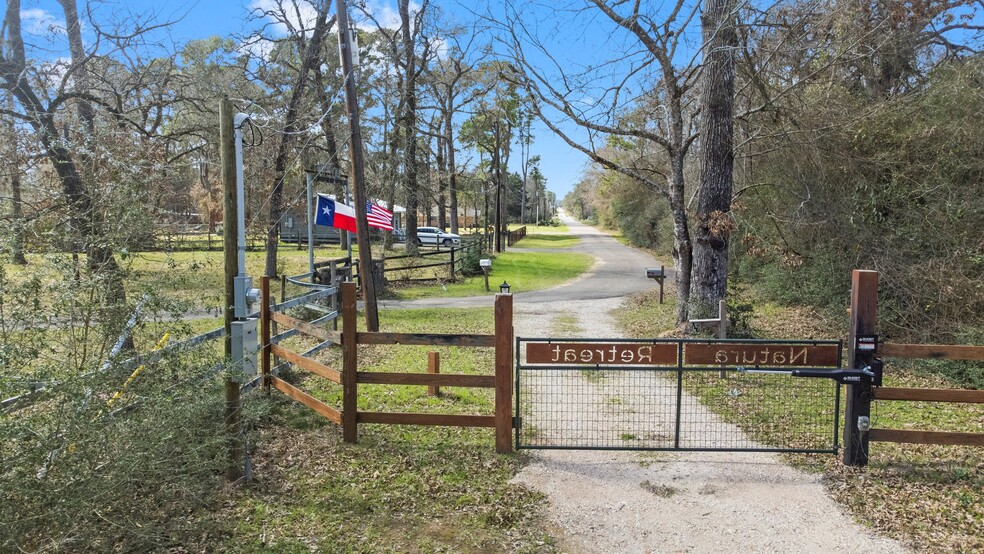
x=558, y=229
x=641, y=315
x=542, y=240
x=401, y=488
x=524, y=271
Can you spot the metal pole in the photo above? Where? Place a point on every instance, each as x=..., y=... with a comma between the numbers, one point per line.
x=310, y=223
x=238, y=123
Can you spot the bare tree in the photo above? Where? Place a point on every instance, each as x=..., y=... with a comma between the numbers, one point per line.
x=40, y=114
x=650, y=82
x=306, y=39
x=452, y=83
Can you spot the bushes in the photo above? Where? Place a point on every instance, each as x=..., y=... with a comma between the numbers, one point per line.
x=470, y=258
x=897, y=191
x=78, y=476
x=77, y=473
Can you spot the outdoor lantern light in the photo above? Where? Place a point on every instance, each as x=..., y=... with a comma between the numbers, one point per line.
x=504, y=288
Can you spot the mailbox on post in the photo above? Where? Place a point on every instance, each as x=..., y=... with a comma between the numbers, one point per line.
x=659, y=274
x=486, y=265
x=654, y=273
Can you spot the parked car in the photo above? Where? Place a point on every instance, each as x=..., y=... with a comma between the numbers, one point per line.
x=435, y=235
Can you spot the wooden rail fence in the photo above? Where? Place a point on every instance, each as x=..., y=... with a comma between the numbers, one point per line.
x=937, y=352
x=455, y=255
x=512, y=237
x=863, y=352
x=349, y=416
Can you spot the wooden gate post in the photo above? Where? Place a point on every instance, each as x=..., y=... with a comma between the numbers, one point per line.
x=503, y=373
x=864, y=321
x=350, y=363
x=265, y=350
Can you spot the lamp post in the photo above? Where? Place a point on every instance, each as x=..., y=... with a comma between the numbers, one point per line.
x=504, y=288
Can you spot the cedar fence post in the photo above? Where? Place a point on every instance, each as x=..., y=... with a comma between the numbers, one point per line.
x=265, y=332
x=434, y=367
x=864, y=321
x=350, y=362
x=503, y=373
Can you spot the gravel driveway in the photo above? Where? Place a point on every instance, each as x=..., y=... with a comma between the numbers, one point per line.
x=623, y=502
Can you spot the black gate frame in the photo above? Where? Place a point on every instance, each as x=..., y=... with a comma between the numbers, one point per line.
x=680, y=369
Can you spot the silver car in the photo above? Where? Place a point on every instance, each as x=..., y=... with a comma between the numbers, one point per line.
x=435, y=235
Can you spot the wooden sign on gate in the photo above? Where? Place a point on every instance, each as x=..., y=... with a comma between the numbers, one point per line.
x=761, y=355
x=602, y=353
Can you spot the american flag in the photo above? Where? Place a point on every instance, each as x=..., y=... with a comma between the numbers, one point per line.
x=379, y=216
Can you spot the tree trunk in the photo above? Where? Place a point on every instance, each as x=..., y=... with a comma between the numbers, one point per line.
x=713, y=220
x=311, y=59
x=452, y=173
x=17, y=240
x=682, y=248
x=442, y=198
x=497, y=175
x=80, y=203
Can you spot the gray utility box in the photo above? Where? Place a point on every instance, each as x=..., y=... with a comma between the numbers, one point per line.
x=245, y=346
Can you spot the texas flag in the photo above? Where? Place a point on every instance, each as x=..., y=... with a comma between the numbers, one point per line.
x=335, y=214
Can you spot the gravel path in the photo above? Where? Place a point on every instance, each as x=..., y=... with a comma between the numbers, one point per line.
x=624, y=502
x=603, y=501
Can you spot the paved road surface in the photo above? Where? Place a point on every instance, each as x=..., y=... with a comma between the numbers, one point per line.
x=617, y=272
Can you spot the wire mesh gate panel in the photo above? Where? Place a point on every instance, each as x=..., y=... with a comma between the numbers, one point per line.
x=611, y=394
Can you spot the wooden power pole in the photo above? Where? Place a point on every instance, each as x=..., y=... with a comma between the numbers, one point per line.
x=233, y=408
x=358, y=172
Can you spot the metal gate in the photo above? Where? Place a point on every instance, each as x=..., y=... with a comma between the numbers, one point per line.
x=677, y=394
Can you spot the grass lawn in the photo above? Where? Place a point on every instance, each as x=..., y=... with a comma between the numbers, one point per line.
x=401, y=488
x=544, y=240
x=559, y=229
x=931, y=497
x=524, y=271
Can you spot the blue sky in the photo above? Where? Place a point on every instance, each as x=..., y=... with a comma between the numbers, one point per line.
x=578, y=38
x=195, y=19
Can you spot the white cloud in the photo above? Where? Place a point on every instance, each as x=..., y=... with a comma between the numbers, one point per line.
x=35, y=21
x=384, y=12
x=285, y=15
x=257, y=49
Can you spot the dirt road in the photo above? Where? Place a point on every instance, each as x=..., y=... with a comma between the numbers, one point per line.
x=666, y=502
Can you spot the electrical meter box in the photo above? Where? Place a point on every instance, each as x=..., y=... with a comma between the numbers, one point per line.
x=245, y=346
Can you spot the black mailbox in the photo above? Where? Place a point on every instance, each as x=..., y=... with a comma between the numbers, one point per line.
x=655, y=273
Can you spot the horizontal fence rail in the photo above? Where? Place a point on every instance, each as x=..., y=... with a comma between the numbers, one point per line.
x=929, y=395
x=349, y=416
x=894, y=394
x=932, y=351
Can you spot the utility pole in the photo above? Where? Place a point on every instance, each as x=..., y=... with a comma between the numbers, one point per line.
x=358, y=171
x=233, y=408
